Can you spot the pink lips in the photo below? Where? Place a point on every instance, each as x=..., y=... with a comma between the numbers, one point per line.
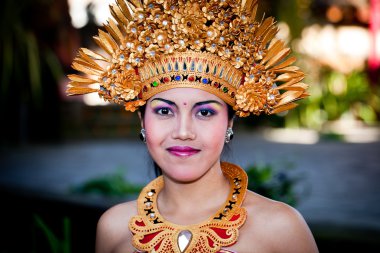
x=182, y=151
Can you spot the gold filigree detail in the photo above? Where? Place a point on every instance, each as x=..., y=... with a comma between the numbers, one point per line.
x=142, y=32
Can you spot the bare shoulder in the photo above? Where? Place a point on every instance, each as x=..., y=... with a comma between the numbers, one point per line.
x=112, y=229
x=280, y=228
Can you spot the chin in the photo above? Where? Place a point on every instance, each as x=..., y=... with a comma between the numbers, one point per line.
x=182, y=172
x=186, y=170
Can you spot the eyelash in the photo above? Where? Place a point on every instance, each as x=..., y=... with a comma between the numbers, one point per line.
x=209, y=112
x=160, y=111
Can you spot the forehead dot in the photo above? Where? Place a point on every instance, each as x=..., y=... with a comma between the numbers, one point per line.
x=184, y=103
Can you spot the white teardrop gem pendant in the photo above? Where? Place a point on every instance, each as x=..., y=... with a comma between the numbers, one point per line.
x=184, y=239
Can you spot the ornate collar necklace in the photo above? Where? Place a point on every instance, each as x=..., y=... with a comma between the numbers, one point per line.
x=152, y=233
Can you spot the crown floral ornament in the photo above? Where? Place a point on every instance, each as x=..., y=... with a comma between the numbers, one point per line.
x=217, y=46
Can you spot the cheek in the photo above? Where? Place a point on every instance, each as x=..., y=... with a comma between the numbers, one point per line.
x=153, y=140
x=156, y=131
x=213, y=135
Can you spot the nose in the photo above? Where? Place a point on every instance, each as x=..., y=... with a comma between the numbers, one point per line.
x=184, y=129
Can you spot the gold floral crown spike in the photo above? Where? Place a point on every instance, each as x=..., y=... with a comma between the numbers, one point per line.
x=217, y=46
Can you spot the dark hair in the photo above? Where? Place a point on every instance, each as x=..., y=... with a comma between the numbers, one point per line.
x=157, y=169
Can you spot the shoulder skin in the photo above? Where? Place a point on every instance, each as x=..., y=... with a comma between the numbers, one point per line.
x=274, y=227
x=113, y=234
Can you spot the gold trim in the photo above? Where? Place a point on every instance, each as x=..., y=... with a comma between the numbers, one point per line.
x=222, y=78
x=163, y=234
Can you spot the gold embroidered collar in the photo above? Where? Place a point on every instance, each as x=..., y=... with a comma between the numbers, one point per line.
x=152, y=233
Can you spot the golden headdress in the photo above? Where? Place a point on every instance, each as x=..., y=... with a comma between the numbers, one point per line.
x=216, y=46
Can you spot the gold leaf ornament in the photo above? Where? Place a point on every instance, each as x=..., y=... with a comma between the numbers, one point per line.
x=151, y=38
x=250, y=98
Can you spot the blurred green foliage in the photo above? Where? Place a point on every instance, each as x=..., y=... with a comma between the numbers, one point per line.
x=337, y=96
x=30, y=70
x=56, y=244
x=113, y=184
x=273, y=183
x=22, y=57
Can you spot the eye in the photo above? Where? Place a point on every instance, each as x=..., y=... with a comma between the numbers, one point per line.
x=205, y=112
x=164, y=111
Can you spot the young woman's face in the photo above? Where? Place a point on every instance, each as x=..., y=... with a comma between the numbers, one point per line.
x=185, y=131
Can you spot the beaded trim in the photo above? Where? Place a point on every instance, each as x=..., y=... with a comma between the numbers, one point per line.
x=190, y=69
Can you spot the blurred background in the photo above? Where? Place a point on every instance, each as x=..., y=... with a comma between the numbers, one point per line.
x=64, y=160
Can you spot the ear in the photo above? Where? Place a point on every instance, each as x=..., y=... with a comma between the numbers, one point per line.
x=141, y=119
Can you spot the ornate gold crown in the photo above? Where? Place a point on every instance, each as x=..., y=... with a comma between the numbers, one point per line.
x=216, y=46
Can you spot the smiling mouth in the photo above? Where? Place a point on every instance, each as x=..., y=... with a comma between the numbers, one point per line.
x=182, y=151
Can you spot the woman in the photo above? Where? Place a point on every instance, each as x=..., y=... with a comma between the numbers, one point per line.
x=189, y=67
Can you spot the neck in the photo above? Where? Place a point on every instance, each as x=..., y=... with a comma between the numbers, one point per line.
x=189, y=203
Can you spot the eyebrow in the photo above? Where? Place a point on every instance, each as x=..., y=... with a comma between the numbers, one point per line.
x=207, y=102
x=195, y=105
x=164, y=100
